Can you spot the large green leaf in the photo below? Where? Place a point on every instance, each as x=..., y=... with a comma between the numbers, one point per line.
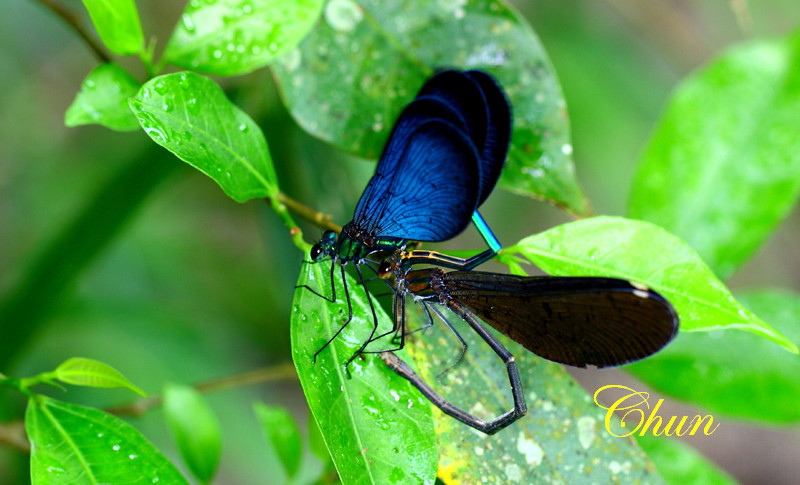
x=561, y=440
x=195, y=429
x=680, y=464
x=366, y=59
x=377, y=428
x=229, y=37
x=75, y=444
x=723, y=166
x=103, y=99
x=645, y=253
x=190, y=116
x=117, y=22
x=715, y=370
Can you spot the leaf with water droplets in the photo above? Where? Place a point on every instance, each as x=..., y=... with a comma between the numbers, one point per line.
x=195, y=429
x=81, y=371
x=366, y=59
x=645, y=253
x=117, y=22
x=75, y=444
x=377, y=428
x=190, y=116
x=722, y=168
x=230, y=37
x=103, y=99
x=734, y=364
x=560, y=440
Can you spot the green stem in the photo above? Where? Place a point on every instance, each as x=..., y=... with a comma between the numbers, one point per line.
x=282, y=204
x=279, y=372
x=294, y=230
x=73, y=21
x=52, y=271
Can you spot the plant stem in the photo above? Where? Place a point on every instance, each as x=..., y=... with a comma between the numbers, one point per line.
x=73, y=21
x=13, y=436
x=279, y=372
x=282, y=204
x=319, y=219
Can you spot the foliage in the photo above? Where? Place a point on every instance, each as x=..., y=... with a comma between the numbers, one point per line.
x=716, y=179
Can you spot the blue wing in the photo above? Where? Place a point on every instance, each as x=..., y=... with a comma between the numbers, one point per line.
x=442, y=160
x=426, y=185
x=486, y=113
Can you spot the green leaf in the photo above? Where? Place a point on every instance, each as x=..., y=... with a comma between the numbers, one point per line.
x=103, y=99
x=377, y=427
x=230, y=37
x=714, y=370
x=645, y=253
x=365, y=60
x=75, y=444
x=190, y=116
x=195, y=430
x=117, y=22
x=679, y=464
x=723, y=166
x=92, y=373
x=281, y=431
x=562, y=438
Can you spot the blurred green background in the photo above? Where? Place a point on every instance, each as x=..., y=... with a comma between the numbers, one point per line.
x=195, y=286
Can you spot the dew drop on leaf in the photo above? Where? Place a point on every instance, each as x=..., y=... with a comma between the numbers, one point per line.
x=188, y=23
x=343, y=15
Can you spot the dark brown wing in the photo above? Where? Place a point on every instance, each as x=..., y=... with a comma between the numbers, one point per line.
x=577, y=321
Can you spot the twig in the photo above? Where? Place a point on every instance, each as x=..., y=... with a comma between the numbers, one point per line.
x=73, y=21
x=317, y=218
x=260, y=376
x=13, y=435
x=742, y=12
x=670, y=27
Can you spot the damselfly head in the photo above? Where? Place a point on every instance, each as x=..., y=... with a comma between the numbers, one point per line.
x=324, y=247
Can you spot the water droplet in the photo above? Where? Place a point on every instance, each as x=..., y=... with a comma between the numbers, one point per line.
x=133, y=457
x=166, y=107
x=242, y=127
x=188, y=23
x=100, y=435
x=155, y=133
x=343, y=15
x=89, y=84
x=217, y=54
x=160, y=88
x=116, y=447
